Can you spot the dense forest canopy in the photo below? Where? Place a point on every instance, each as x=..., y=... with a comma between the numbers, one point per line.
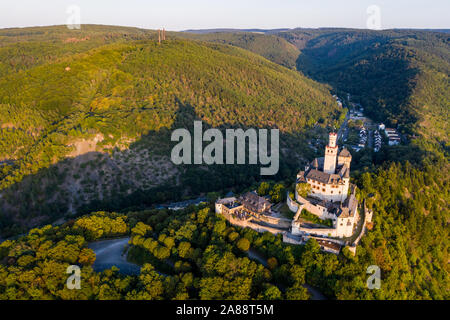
x=274, y=48
x=399, y=76
x=196, y=254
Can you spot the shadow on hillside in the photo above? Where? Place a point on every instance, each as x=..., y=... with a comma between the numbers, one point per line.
x=97, y=181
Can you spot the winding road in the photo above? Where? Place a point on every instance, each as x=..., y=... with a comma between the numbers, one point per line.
x=111, y=253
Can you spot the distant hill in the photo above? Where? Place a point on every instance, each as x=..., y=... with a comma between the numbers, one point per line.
x=230, y=30
x=86, y=116
x=274, y=48
x=430, y=30
x=399, y=76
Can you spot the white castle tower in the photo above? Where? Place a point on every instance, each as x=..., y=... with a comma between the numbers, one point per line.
x=331, y=152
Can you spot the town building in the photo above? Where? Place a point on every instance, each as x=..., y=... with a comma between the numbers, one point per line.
x=393, y=136
x=255, y=204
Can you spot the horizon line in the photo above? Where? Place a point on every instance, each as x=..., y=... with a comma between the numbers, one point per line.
x=227, y=28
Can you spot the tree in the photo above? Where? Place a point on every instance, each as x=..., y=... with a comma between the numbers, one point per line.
x=141, y=229
x=86, y=257
x=233, y=236
x=220, y=227
x=212, y=196
x=152, y=281
x=270, y=293
x=297, y=292
x=303, y=189
x=263, y=188
x=297, y=274
x=272, y=263
x=243, y=244
x=184, y=249
x=277, y=193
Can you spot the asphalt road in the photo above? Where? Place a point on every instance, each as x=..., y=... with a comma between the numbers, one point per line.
x=343, y=130
x=370, y=139
x=110, y=253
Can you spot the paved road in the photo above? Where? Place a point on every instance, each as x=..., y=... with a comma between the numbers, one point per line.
x=110, y=253
x=181, y=204
x=343, y=130
x=370, y=138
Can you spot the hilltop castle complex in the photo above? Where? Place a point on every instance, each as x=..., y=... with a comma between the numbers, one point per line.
x=328, y=195
x=324, y=204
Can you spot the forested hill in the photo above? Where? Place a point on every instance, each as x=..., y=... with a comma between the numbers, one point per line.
x=23, y=48
x=274, y=48
x=107, y=98
x=399, y=76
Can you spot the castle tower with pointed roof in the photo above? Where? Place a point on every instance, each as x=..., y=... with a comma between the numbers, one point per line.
x=331, y=151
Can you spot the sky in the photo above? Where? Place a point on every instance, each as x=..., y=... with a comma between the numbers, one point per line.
x=176, y=15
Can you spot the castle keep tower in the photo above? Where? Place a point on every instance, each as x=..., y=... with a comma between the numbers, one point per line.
x=328, y=197
x=328, y=176
x=344, y=158
x=331, y=151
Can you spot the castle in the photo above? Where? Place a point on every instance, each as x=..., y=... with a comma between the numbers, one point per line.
x=323, y=189
x=328, y=195
x=329, y=176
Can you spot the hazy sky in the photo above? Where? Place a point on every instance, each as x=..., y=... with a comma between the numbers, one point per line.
x=197, y=14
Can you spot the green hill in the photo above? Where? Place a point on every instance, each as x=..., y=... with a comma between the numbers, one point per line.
x=399, y=76
x=23, y=48
x=274, y=48
x=87, y=122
